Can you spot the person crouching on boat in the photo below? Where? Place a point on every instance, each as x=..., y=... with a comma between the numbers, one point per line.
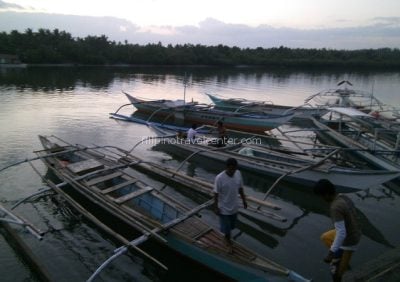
x=228, y=184
x=222, y=137
x=342, y=240
x=191, y=134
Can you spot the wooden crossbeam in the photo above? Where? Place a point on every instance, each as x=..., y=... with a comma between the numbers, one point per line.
x=85, y=166
x=132, y=195
x=119, y=186
x=103, y=178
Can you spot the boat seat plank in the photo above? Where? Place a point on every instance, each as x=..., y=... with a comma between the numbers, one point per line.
x=85, y=166
x=118, y=186
x=192, y=227
x=134, y=194
x=205, y=231
x=96, y=180
x=213, y=236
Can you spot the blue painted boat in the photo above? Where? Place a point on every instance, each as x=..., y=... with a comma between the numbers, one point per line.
x=244, y=105
x=256, y=158
x=201, y=114
x=155, y=125
x=101, y=179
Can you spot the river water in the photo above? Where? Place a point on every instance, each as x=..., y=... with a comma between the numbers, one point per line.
x=74, y=103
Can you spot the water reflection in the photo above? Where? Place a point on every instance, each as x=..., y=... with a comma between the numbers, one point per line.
x=99, y=78
x=74, y=103
x=300, y=198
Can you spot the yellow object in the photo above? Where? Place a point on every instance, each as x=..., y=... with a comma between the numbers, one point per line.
x=328, y=237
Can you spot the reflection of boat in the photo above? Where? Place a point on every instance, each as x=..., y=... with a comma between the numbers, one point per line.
x=258, y=159
x=243, y=105
x=178, y=113
x=111, y=186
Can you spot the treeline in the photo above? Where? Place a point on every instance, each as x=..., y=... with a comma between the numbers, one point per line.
x=59, y=47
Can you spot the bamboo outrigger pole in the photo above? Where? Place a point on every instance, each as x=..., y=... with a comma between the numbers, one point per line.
x=300, y=169
x=94, y=219
x=145, y=237
x=20, y=221
x=50, y=155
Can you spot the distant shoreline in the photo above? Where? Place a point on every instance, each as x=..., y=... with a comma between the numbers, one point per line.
x=59, y=49
x=259, y=67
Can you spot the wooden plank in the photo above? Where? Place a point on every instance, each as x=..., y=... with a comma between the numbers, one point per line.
x=192, y=228
x=85, y=166
x=119, y=186
x=103, y=178
x=204, y=232
x=133, y=194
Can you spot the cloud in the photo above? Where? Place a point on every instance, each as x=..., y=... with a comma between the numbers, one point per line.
x=387, y=21
x=215, y=32
x=10, y=6
x=380, y=32
x=78, y=26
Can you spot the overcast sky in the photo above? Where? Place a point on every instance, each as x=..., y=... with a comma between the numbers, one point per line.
x=338, y=24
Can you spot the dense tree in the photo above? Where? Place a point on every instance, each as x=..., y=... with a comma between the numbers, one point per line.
x=59, y=47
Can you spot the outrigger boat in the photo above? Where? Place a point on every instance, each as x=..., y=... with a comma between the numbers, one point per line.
x=244, y=105
x=176, y=112
x=374, y=158
x=366, y=132
x=111, y=186
x=255, y=158
x=346, y=96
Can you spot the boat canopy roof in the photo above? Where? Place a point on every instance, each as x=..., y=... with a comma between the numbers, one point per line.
x=351, y=112
x=174, y=103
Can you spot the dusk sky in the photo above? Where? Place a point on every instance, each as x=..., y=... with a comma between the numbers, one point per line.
x=338, y=24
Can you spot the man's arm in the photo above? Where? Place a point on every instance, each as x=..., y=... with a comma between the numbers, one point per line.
x=341, y=233
x=215, y=190
x=215, y=206
x=243, y=196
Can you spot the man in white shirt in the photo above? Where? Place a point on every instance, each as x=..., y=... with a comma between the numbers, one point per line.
x=228, y=184
x=342, y=240
x=191, y=134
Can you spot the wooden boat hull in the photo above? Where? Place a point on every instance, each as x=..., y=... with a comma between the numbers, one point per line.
x=358, y=150
x=244, y=105
x=109, y=185
x=195, y=114
x=235, y=270
x=345, y=179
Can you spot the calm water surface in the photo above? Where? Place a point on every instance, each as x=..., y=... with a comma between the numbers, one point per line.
x=73, y=103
